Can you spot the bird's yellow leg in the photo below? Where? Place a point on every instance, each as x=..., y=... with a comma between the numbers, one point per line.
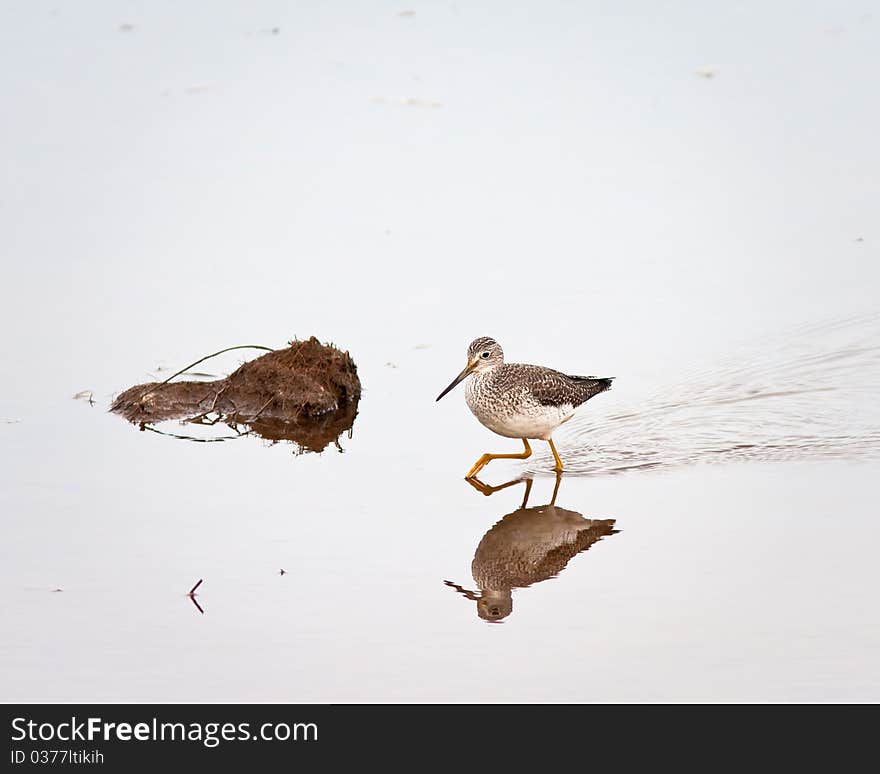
x=490, y=490
x=528, y=491
x=559, y=466
x=555, y=488
x=487, y=458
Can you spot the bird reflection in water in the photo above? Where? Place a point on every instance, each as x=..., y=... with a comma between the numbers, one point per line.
x=527, y=546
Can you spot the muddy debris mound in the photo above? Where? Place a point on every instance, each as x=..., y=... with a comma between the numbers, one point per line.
x=307, y=393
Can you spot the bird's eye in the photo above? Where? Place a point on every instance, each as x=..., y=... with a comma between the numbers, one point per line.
x=485, y=355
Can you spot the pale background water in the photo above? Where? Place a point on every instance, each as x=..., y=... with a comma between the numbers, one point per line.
x=561, y=176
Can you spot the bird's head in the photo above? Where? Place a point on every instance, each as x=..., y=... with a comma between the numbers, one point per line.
x=494, y=605
x=483, y=354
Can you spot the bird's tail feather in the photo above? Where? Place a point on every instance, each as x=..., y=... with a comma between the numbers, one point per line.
x=594, y=384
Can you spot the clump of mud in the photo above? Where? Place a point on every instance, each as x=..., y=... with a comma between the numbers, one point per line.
x=306, y=393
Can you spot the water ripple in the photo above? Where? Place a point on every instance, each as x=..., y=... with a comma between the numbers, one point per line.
x=812, y=393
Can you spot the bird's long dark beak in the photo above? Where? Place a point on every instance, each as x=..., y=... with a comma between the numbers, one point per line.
x=461, y=377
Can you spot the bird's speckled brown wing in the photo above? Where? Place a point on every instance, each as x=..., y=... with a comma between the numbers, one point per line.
x=553, y=388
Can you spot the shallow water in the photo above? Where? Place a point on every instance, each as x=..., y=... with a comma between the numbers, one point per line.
x=207, y=185
x=750, y=580
x=808, y=394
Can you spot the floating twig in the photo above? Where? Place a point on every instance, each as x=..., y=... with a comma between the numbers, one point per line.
x=85, y=395
x=201, y=360
x=262, y=409
x=192, y=596
x=144, y=426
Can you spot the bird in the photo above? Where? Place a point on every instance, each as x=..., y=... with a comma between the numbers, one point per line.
x=516, y=400
x=526, y=547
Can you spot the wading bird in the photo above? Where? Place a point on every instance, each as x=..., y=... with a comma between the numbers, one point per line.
x=520, y=401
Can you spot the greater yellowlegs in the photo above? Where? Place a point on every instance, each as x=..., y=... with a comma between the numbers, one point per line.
x=520, y=401
x=526, y=547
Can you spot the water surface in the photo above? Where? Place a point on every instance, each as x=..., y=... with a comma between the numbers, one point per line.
x=558, y=176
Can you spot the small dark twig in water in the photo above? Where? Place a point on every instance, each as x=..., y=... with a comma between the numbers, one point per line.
x=86, y=395
x=201, y=360
x=196, y=419
x=192, y=596
x=144, y=426
x=202, y=419
x=262, y=409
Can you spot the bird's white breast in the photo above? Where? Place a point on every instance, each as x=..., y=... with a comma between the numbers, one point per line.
x=513, y=413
